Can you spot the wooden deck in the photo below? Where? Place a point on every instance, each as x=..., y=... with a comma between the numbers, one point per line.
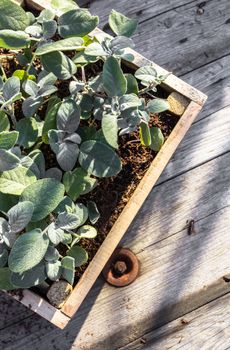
x=180, y=300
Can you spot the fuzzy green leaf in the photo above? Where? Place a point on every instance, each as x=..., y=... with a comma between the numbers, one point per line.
x=50, y=118
x=45, y=194
x=10, y=39
x=132, y=86
x=20, y=215
x=12, y=16
x=5, y=279
x=53, y=270
x=99, y=159
x=8, y=139
x=68, y=44
x=78, y=182
x=145, y=134
x=158, y=105
x=29, y=278
x=110, y=129
x=28, y=132
x=77, y=22
x=79, y=254
x=4, y=122
x=8, y=160
x=68, y=269
x=114, y=81
x=28, y=251
x=16, y=180
x=146, y=74
x=87, y=231
x=122, y=25
x=157, y=139
x=59, y=64
x=94, y=214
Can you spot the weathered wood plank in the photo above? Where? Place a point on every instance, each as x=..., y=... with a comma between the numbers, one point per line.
x=193, y=195
x=178, y=274
x=180, y=39
x=205, y=328
x=142, y=10
x=11, y=311
x=206, y=139
x=214, y=80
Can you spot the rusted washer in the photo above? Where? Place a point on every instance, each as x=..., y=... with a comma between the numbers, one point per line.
x=122, y=268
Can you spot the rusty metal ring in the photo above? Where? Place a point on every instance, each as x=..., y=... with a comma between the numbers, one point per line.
x=122, y=268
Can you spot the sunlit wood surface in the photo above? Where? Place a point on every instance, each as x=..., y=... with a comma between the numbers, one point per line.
x=180, y=300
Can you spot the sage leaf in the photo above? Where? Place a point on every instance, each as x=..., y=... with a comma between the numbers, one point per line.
x=129, y=101
x=29, y=278
x=3, y=258
x=82, y=212
x=20, y=215
x=10, y=39
x=157, y=139
x=146, y=74
x=145, y=135
x=64, y=5
x=52, y=254
x=7, y=201
x=12, y=16
x=5, y=279
x=157, y=105
x=68, y=269
x=16, y=180
x=8, y=160
x=45, y=194
x=49, y=28
x=67, y=221
x=50, y=118
x=132, y=86
x=4, y=122
x=59, y=64
x=31, y=105
x=67, y=155
x=99, y=159
x=11, y=88
x=77, y=22
x=53, y=270
x=79, y=254
x=39, y=159
x=122, y=25
x=114, y=81
x=68, y=116
x=120, y=43
x=110, y=129
x=28, y=251
x=28, y=132
x=94, y=214
x=78, y=182
x=54, y=173
x=8, y=139
x=94, y=50
x=87, y=231
x=68, y=44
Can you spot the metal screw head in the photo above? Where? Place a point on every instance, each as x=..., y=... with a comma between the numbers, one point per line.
x=122, y=268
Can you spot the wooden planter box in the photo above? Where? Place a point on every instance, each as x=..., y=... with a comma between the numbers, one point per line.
x=196, y=100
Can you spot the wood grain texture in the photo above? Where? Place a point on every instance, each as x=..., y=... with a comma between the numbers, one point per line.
x=206, y=139
x=178, y=273
x=207, y=328
x=179, y=39
x=214, y=80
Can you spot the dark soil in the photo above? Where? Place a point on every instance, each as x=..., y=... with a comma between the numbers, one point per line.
x=112, y=194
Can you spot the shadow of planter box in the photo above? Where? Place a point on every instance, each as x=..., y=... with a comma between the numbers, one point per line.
x=195, y=100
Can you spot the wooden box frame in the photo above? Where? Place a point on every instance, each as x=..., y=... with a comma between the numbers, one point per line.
x=196, y=100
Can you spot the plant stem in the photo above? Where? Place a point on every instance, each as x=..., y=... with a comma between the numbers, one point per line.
x=83, y=74
x=31, y=63
x=3, y=73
